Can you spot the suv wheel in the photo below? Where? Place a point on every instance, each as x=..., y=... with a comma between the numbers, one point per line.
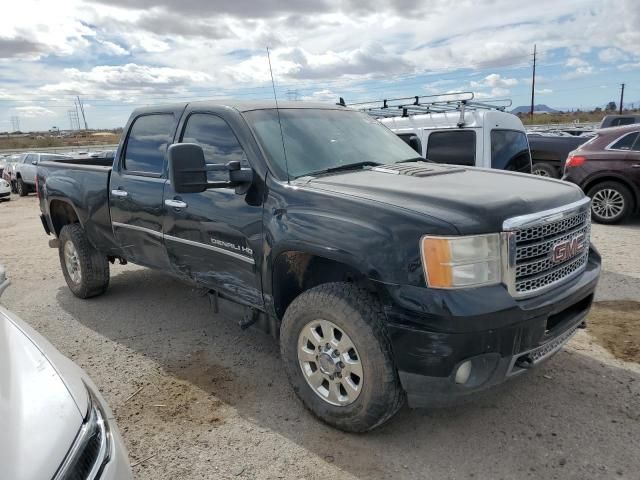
x=23, y=189
x=544, y=170
x=338, y=357
x=85, y=270
x=610, y=202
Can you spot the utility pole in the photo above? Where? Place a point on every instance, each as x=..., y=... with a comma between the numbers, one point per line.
x=82, y=111
x=533, y=82
x=621, y=96
x=15, y=123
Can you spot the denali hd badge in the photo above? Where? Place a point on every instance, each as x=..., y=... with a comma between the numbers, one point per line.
x=567, y=249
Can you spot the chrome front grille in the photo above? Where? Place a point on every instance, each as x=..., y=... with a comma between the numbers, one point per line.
x=533, y=243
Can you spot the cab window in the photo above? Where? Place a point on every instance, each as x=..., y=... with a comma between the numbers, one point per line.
x=625, y=143
x=456, y=147
x=217, y=140
x=147, y=144
x=510, y=151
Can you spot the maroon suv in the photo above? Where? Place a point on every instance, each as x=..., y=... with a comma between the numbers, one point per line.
x=607, y=168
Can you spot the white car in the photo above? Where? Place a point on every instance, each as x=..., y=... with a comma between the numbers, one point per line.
x=54, y=424
x=5, y=190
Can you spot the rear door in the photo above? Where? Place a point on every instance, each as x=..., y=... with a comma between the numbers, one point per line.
x=28, y=169
x=215, y=237
x=136, y=188
x=632, y=164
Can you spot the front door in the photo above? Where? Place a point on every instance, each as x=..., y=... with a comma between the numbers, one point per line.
x=215, y=237
x=136, y=189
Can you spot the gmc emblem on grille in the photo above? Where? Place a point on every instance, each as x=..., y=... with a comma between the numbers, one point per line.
x=567, y=249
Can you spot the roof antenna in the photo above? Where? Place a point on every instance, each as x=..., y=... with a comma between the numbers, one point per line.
x=284, y=149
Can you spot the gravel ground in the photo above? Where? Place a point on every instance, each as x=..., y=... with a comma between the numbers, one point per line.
x=215, y=402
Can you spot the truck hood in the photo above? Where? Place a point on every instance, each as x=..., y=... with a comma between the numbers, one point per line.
x=39, y=417
x=473, y=200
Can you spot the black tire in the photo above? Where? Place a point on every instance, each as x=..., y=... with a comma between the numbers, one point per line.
x=14, y=189
x=616, y=191
x=93, y=266
x=544, y=170
x=360, y=315
x=22, y=188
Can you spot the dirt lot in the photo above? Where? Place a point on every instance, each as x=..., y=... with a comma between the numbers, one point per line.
x=215, y=402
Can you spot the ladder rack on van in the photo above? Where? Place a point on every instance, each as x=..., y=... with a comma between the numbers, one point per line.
x=421, y=105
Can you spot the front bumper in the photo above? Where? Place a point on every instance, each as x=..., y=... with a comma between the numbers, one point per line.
x=433, y=332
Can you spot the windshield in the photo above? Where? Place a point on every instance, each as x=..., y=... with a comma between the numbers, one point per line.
x=321, y=139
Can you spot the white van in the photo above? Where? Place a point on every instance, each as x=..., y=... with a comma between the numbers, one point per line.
x=459, y=131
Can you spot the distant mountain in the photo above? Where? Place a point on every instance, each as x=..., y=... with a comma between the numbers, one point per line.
x=540, y=108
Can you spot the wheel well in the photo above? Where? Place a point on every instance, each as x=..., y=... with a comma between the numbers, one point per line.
x=18, y=175
x=62, y=214
x=295, y=272
x=592, y=183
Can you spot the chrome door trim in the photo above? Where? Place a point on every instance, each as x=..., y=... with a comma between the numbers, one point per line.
x=140, y=229
x=212, y=248
x=119, y=193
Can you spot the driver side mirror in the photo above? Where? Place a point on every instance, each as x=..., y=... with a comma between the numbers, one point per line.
x=416, y=144
x=188, y=171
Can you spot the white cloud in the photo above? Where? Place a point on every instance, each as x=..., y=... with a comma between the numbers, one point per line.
x=495, y=80
x=33, y=111
x=544, y=91
x=118, y=81
x=577, y=62
x=612, y=55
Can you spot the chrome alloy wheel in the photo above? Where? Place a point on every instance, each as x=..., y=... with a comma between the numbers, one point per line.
x=72, y=262
x=607, y=203
x=330, y=362
x=540, y=172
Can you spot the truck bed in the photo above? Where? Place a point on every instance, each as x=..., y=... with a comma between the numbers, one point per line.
x=85, y=188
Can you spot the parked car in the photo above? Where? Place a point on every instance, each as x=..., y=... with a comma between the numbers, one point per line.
x=382, y=275
x=8, y=173
x=25, y=170
x=54, y=424
x=5, y=190
x=619, y=120
x=3, y=164
x=454, y=129
x=549, y=152
x=607, y=168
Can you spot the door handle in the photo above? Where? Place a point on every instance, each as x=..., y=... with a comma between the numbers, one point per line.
x=119, y=193
x=175, y=203
x=635, y=165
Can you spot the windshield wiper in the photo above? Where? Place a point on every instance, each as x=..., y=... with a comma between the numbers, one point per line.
x=339, y=168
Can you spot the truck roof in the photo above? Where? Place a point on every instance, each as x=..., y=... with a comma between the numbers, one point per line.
x=241, y=106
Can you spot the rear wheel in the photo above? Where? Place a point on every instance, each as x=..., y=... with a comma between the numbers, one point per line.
x=85, y=270
x=338, y=357
x=611, y=202
x=23, y=188
x=544, y=170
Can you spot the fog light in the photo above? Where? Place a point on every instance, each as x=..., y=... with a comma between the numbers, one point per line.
x=464, y=372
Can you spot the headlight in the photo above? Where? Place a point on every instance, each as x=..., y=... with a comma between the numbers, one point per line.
x=3, y=183
x=457, y=262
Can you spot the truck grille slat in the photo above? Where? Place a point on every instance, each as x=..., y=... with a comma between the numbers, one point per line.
x=535, y=245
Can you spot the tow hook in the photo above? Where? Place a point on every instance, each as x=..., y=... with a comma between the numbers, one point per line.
x=525, y=362
x=250, y=317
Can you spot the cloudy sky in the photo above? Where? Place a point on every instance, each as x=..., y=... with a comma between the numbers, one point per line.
x=119, y=54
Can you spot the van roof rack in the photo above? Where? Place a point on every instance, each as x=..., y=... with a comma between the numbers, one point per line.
x=421, y=105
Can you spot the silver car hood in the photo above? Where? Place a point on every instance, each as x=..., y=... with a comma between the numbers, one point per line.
x=40, y=413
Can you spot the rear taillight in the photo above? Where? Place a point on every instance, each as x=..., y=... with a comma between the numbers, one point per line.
x=575, y=161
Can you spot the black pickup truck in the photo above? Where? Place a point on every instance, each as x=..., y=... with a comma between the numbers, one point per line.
x=385, y=277
x=549, y=152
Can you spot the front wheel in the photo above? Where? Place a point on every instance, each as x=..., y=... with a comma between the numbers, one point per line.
x=338, y=357
x=23, y=189
x=85, y=270
x=544, y=170
x=611, y=202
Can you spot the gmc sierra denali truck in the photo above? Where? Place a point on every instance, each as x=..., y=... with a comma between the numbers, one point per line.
x=384, y=277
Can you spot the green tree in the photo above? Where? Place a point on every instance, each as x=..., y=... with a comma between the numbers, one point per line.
x=611, y=106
